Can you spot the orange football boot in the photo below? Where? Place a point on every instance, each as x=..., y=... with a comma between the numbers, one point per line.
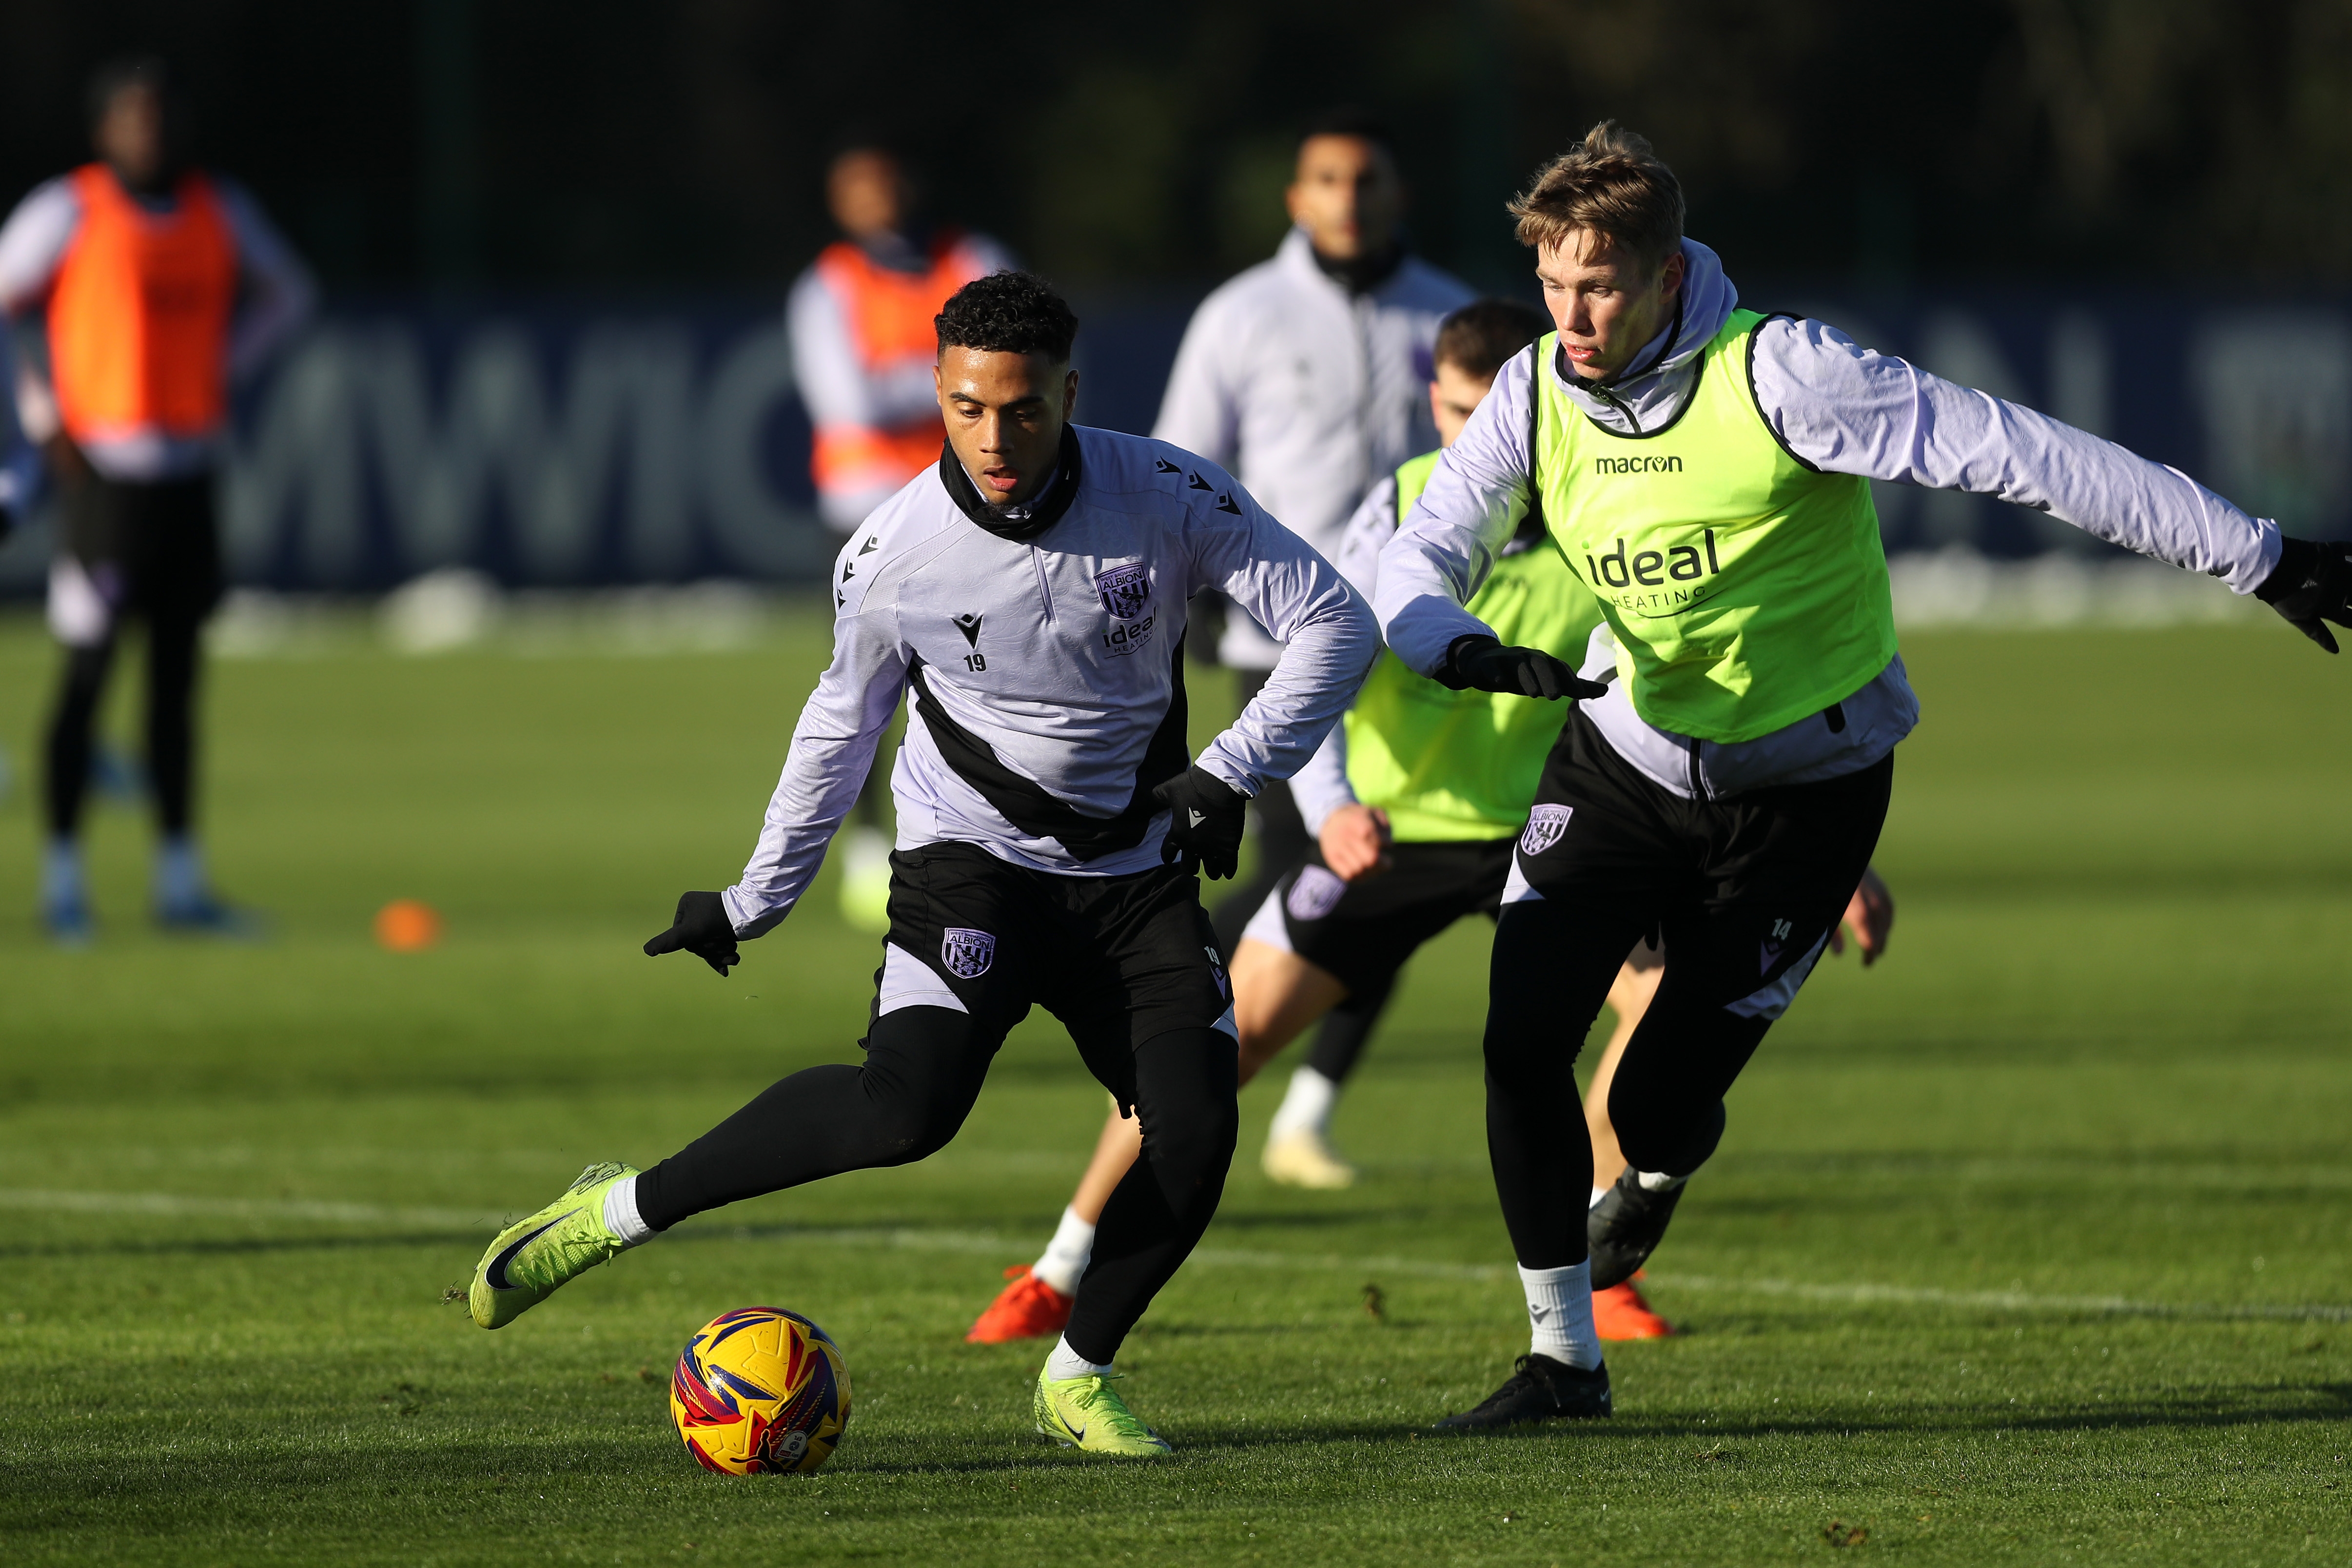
x=1620, y=1313
x=1028, y=1309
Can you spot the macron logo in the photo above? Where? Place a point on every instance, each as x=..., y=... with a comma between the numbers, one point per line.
x=1637, y=465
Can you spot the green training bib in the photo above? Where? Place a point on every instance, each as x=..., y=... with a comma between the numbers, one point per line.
x=1450, y=766
x=1747, y=588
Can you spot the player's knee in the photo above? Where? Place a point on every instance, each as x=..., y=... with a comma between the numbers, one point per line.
x=1656, y=1133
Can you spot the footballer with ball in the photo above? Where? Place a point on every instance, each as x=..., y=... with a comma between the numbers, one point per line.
x=1028, y=593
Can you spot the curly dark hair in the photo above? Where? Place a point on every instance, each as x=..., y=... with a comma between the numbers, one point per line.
x=1008, y=312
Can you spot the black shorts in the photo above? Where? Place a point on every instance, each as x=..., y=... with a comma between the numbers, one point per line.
x=1744, y=891
x=1362, y=931
x=151, y=549
x=1119, y=960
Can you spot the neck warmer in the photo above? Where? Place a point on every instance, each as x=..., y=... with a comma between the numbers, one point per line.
x=1031, y=518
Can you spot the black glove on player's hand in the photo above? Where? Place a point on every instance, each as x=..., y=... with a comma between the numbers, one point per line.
x=701, y=928
x=2311, y=586
x=1207, y=824
x=1487, y=664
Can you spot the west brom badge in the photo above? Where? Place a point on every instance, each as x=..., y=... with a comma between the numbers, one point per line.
x=1545, y=824
x=967, y=953
x=1315, y=894
x=1124, y=590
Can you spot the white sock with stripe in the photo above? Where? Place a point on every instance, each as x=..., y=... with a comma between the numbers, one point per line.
x=1560, y=1314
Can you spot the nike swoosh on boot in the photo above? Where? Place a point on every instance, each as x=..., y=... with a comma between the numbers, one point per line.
x=497, y=1272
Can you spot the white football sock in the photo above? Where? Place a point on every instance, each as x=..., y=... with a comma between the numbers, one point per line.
x=1067, y=1363
x=1064, y=1261
x=1560, y=1314
x=1658, y=1181
x=621, y=1216
x=1307, y=1107
x=1599, y=1194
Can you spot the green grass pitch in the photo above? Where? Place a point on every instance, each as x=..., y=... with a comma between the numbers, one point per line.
x=2028, y=1246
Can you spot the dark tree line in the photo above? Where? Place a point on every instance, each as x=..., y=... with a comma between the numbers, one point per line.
x=514, y=144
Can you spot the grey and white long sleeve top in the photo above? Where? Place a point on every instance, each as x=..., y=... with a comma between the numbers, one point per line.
x=1842, y=408
x=1306, y=390
x=1045, y=661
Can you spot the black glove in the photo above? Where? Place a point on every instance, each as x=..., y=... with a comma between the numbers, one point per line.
x=1485, y=665
x=1208, y=821
x=2311, y=586
x=701, y=928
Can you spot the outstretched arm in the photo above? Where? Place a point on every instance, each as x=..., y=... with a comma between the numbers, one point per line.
x=1848, y=410
x=833, y=748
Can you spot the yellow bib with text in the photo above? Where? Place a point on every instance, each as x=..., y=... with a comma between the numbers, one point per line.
x=1746, y=589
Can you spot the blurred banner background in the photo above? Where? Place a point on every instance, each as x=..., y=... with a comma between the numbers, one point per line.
x=556, y=238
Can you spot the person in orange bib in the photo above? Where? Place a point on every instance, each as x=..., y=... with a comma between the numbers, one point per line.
x=136, y=288
x=863, y=347
x=862, y=340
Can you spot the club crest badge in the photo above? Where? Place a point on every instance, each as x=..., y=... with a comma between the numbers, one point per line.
x=1125, y=590
x=1315, y=894
x=967, y=953
x=1545, y=824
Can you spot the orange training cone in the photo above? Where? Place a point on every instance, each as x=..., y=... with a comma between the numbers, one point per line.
x=405, y=925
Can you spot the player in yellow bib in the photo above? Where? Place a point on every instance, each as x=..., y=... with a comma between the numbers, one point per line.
x=1706, y=469
x=1414, y=804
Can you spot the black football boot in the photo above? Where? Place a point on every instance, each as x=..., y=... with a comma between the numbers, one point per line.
x=1625, y=1227
x=1538, y=1389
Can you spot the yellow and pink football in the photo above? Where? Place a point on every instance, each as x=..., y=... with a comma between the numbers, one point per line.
x=760, y=1391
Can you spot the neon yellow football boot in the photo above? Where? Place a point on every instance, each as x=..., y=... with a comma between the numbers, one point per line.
x=532, y=1258
x=1085, y=1413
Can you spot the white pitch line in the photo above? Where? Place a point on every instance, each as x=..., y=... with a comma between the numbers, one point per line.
x=239, y=1208
x=906, y=1238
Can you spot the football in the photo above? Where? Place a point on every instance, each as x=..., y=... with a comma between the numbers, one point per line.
x=760, y=1391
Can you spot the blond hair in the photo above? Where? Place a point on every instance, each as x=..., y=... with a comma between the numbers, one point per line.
x=1612, y=185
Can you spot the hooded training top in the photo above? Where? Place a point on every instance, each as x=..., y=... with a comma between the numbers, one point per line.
x=1308, y=390
x=1041, y=652
x=1837, y=408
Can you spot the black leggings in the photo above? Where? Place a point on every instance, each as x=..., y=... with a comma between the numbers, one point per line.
x=923, y=1069
x=1744, y=893
x=150, y=551
x=1346, y=1030
x=171, y=724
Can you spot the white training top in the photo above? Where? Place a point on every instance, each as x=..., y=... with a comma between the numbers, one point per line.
x=1307, y=392
x=1045, y=661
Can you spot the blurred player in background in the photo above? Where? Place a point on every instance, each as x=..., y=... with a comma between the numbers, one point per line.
x=1305, y=375
x=863, y=349
x=1029, y=595
x=1707, y=469
x=138, y=288
x=1416, y=800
